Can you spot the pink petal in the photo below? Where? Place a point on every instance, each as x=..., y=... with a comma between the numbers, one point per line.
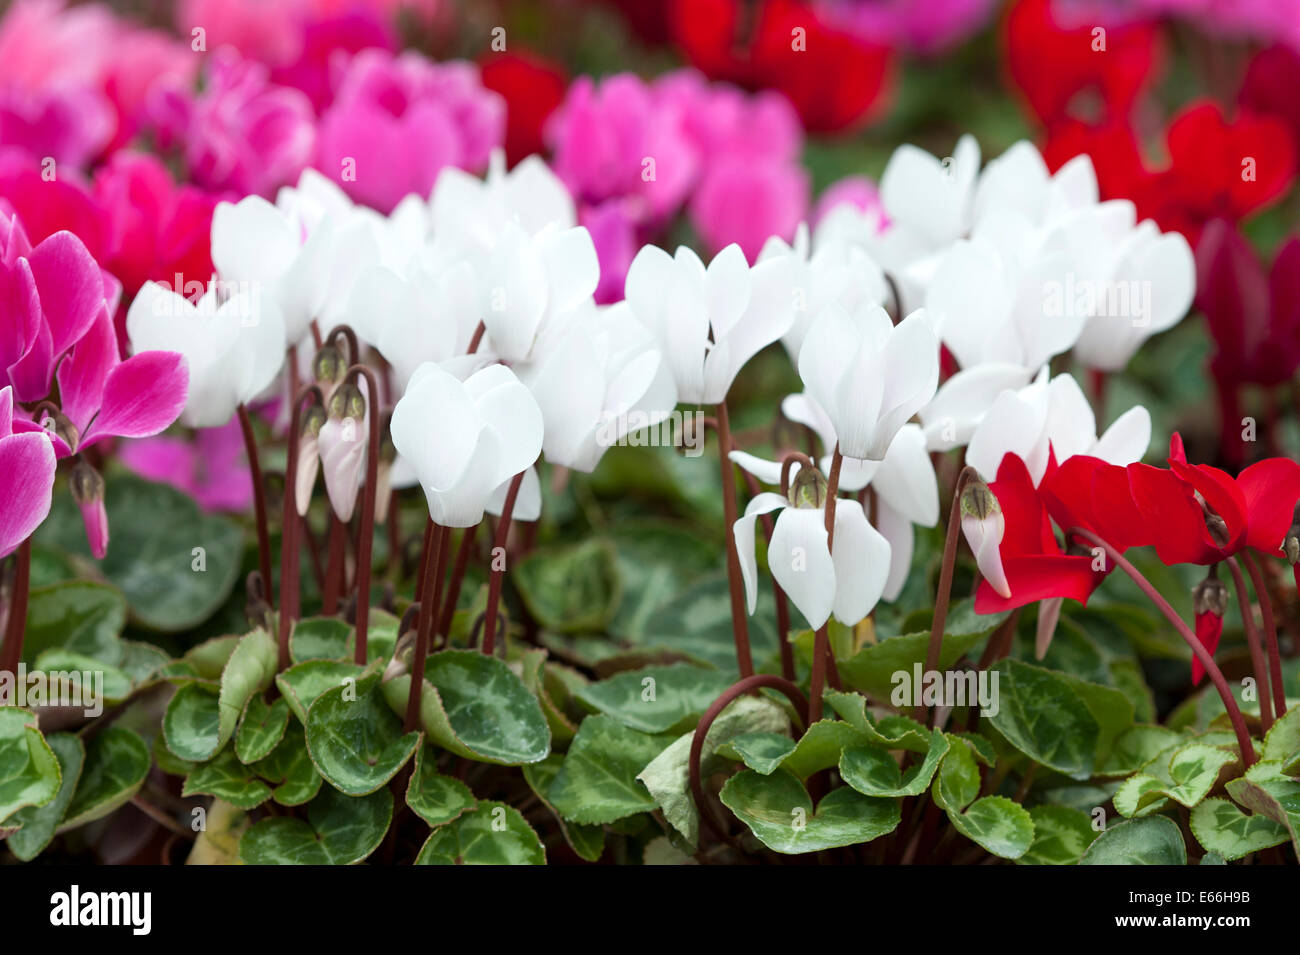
x=95, y=517
x=26, y=481
x=82, y=374
x=142, y=396
x=25, y=426
x=72, y=287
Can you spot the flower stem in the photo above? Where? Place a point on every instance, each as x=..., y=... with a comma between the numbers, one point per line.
x=739, y=620
x=429, y=572
x=1207, y=661
x=290, y=526
x=945, y=583
x=463, y=553
x=366, y=532
x=259, y=498
x=1252, y=640
x=822, y=654
x=739, y=689
x=494, y=581
x=16, y=623
x=335, y=566
x=1270, y=632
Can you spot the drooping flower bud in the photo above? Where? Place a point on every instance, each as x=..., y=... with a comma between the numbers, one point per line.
x=308, y=457
x=1291, y=543
x=1209, y=603
x=984, y=526
x=808, y=489
x=342, y=447
x=88, y=491
x=328, y=368
x=53, y=420
x=1218, y=529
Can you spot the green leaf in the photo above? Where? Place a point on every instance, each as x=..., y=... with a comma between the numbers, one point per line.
x=1187, y=778
x=227, y=778
x=261, y=728
x=435, y=798
x=79, y=616
x=1041, y=714
x=872, y=669
x=191, y=724
x=762, y=752
x=249, y=671
x=658, y=699
x=697, y=622
x=996, y=824
x=1061, y=836
x=1221, y=827
x=1266, y=791
x=572, y=589
x=491, y=834
x=40, y=822
x=117, y=762
x=475, y=706
x=820, y=747
x=115, y=688
x=958, y=782
x=587, y=841
x=210, y=657
x=597, y=783
x=151, y=559
x=1282, y=742
x=892, y=731
x=656, y=562
x=302, y=683
x=547, y=682
x=354, y=738
x=290, y=767
x=319, y=638
x=873, y=771
x=779, y=812
x=1136, y=747
x=1152, y=840
x=667, y=776
x=339, y=830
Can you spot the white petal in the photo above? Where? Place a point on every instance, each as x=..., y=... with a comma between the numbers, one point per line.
x=743, y=530
x=906, y=478
x=801, y=563
x=1127, y=439
x=861, y=560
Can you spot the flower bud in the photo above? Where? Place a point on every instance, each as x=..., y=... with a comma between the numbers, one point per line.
x=984, y=526
x=328, y=367
x=1291, y=543
x=308, y=457
x=1218, y=529
x=807, y=489
x=88, y=491
x=347, y=402
x=1209, y=602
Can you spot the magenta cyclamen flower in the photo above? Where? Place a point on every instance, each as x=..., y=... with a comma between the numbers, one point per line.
x=927, y=27
x=397, y=121
x=67, y=125
x=241, y=132
x=26, y=478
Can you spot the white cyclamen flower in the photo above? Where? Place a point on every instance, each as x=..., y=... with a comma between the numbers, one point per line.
x=234, y=348
x=1053, y=416
x=962, y=401
x=709, y=322
x=599, y=378
x=869, y=375
x=464, y=439
x=847, y=582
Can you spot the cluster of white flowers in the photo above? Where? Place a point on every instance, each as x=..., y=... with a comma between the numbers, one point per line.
x=480, y=301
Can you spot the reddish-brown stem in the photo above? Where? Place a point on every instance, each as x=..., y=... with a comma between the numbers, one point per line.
x=477, y=339
x=366, y=532
x=496, y=575
x=1258, y=663
x=1207, y=661
x=739, y=689
x=1270, y=632
x=429, y=571
x=463, y=552
x=15, y=625
x=335, y=566
x=739, y=619
x=290, y=526
x=259, y=499
x=424, y=549
x=945, y=582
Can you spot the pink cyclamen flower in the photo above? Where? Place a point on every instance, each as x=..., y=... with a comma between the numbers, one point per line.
x=928, y=27
x=397, y=121
x=241, y=132
x=746, y=200
x=26, y=478
x=50, y=296
x=209, y=467
x=69, y=126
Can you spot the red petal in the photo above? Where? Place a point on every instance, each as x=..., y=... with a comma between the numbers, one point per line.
x=1271, y=489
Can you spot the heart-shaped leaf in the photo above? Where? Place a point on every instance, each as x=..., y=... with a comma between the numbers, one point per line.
x=491, y=834
x=1266, y=790
x=72, y=677
x=958, y=781
x=249, y=671
x=40, y=822
x=1221, y=827
x=192, y=723
x=597, y=783
x=762, y=752
x=1187, y=778
x=290, y=767
x=1061, y=835
x=79, y=616
x=1041, y=714
x=475, y=706
x=435, y=798
x=573, y=589
x=996, y=824
x=261, y=728
x=29, y=770
x=1151, y=840
x=228, y=779
x=587, y=841
x=779, y=812
x=662, y=699
x=319, y=638
x=339, y=830
x=117, y=762
x=301, y=684
x=354, y=738
x=874, y=771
